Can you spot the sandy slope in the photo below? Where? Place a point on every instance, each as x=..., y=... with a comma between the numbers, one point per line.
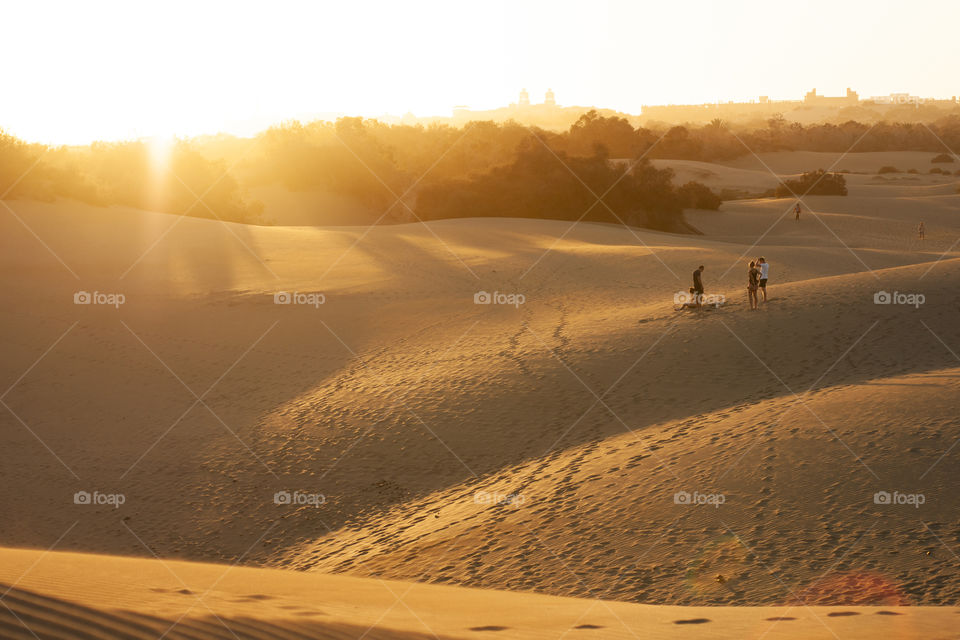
x=753, y=180
x=399, y=399
x=65, y=595
x=791, y=162
x=601, y=519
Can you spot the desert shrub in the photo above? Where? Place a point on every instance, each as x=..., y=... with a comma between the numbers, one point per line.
x=695, y=195
x=21, y=172
x=185, y=182
x=817, y=183
x=544, y=183
x=342, y=157
x=888, y=169
x=616, y=134
x=938, y=170
x=124, y=173
x=912, y=171
x=943, y=157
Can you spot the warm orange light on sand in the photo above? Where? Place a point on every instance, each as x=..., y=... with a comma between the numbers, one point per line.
x=111, y=69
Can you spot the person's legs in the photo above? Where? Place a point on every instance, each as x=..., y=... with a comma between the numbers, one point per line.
x=763, y=289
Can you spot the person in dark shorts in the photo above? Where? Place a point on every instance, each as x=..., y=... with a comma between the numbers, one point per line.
x=698, y=285
x=797, y=212
x=764, y=267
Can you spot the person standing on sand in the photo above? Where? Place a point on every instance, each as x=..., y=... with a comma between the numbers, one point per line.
x=797, y=212
x=753, y=278
x=698, y=285
x=921, y=232
x=764, y=272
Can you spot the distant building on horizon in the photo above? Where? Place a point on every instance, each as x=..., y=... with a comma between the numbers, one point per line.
x=547, y=114
x=521, y=110
x=815, y=100
x=813, y=107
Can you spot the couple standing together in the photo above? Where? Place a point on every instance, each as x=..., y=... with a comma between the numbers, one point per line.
x=756, y=281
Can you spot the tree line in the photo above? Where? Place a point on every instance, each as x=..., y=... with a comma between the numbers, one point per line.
x=599, y=168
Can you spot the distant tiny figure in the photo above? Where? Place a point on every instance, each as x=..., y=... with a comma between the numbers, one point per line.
x=796, y=210
x=921, y=230
x=753, y=279
x=698, y=285
x=764, y=272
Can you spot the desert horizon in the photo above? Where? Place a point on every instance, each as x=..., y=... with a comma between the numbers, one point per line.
x=681, y=362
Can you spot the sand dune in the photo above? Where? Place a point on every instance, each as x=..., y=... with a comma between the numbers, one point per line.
x=754, y=180
x=601, y=520
x=791, y=162
x=65, y=595
x=412, y=410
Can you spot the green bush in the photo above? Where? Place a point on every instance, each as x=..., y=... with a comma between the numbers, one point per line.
x=817, y=183
x=698, y=196
x=549, y=184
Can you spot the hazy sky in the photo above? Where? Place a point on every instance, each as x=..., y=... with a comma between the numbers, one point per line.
x=74, y=71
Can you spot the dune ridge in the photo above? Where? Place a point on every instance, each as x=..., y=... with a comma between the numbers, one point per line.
x=530, y=447
x=71, y=595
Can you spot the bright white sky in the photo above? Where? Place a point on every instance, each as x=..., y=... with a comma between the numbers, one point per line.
x=77, y=71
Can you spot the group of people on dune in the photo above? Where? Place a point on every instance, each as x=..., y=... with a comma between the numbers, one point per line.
x=757, y=274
